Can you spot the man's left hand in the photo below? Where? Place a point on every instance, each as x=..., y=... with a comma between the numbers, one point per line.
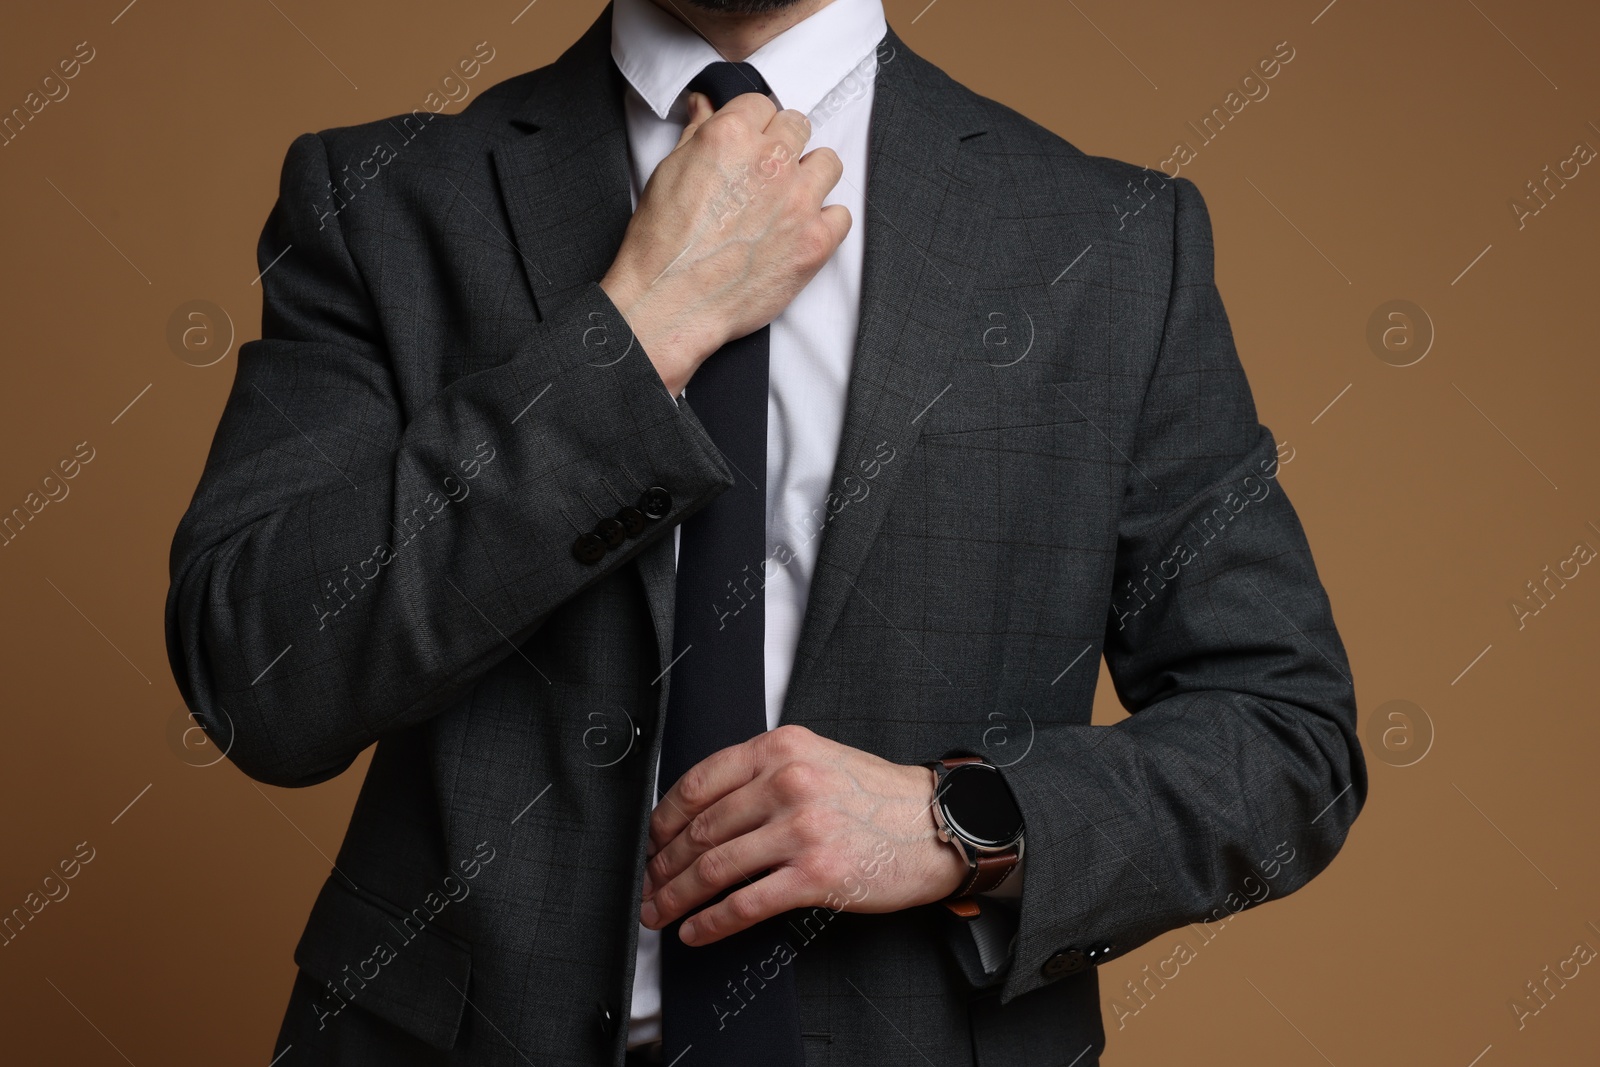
x=829, y=825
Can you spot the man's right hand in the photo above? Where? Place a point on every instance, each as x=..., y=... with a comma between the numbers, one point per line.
x=729, y=229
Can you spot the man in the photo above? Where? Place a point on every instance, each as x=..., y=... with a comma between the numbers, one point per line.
x=710, y=468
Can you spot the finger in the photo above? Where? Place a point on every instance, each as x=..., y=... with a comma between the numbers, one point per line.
x=820, y=170
x=752, y=108
x=700, y=787
x=733, y=816
x=791, y=128
x=837, y=218
x=700, y=109
x=778, y=892
x=741, y=860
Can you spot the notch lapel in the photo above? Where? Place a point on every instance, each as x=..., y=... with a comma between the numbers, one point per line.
x=564, y=179
x=564, y=176
x=928, y=231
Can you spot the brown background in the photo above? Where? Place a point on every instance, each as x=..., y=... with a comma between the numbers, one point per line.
x=1379, y=167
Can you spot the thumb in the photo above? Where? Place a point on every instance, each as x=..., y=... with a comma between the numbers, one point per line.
x=700, y=110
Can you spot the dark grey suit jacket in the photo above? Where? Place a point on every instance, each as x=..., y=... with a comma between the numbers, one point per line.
x=1050, y=453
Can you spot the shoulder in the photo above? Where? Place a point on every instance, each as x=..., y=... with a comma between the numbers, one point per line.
x=430, y=135
x=1039, y=173
x=447, y=135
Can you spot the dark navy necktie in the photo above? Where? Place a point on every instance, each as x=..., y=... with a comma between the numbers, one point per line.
x=732, y=1003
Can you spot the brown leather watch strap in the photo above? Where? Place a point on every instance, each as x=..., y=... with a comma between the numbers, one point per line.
x=989, y=870
x=993, y=869
x=963, y=907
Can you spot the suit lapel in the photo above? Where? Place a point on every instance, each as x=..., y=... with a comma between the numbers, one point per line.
x=928, y=230
x=563, y=175
x=564, y=179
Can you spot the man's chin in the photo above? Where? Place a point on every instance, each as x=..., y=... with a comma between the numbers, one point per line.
x=742, y=7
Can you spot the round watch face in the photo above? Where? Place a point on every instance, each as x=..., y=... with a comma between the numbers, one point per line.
x=978, y=805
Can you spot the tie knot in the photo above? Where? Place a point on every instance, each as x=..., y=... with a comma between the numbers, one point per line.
x=724, y=81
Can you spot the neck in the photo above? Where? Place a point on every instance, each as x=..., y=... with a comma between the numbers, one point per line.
x=737, y=36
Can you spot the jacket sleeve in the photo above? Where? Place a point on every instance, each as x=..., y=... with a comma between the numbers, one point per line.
x=1238, y=773
x=348, y=567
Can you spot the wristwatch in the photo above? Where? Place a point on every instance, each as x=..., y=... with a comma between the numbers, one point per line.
x=974, y=810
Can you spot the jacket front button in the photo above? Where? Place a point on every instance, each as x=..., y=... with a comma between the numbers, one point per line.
x=589, y=548
x=607, y=1019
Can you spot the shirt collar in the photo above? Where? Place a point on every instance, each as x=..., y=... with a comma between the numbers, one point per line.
x=659, y=55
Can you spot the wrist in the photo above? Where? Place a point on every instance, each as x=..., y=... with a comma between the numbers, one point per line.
x=674, y=349
x=949, y=862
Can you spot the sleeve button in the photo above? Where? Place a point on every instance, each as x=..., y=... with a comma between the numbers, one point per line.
x=1066, y=962
x=611, y=532
x=589, y=548
x=655, y=502
x=633, y=521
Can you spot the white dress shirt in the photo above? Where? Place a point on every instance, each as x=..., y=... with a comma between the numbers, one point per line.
x=824, y=67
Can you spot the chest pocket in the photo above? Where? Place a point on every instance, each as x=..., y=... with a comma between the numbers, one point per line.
x=977, y=404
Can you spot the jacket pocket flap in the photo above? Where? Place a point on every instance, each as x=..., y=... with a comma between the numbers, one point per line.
x=393, y=964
